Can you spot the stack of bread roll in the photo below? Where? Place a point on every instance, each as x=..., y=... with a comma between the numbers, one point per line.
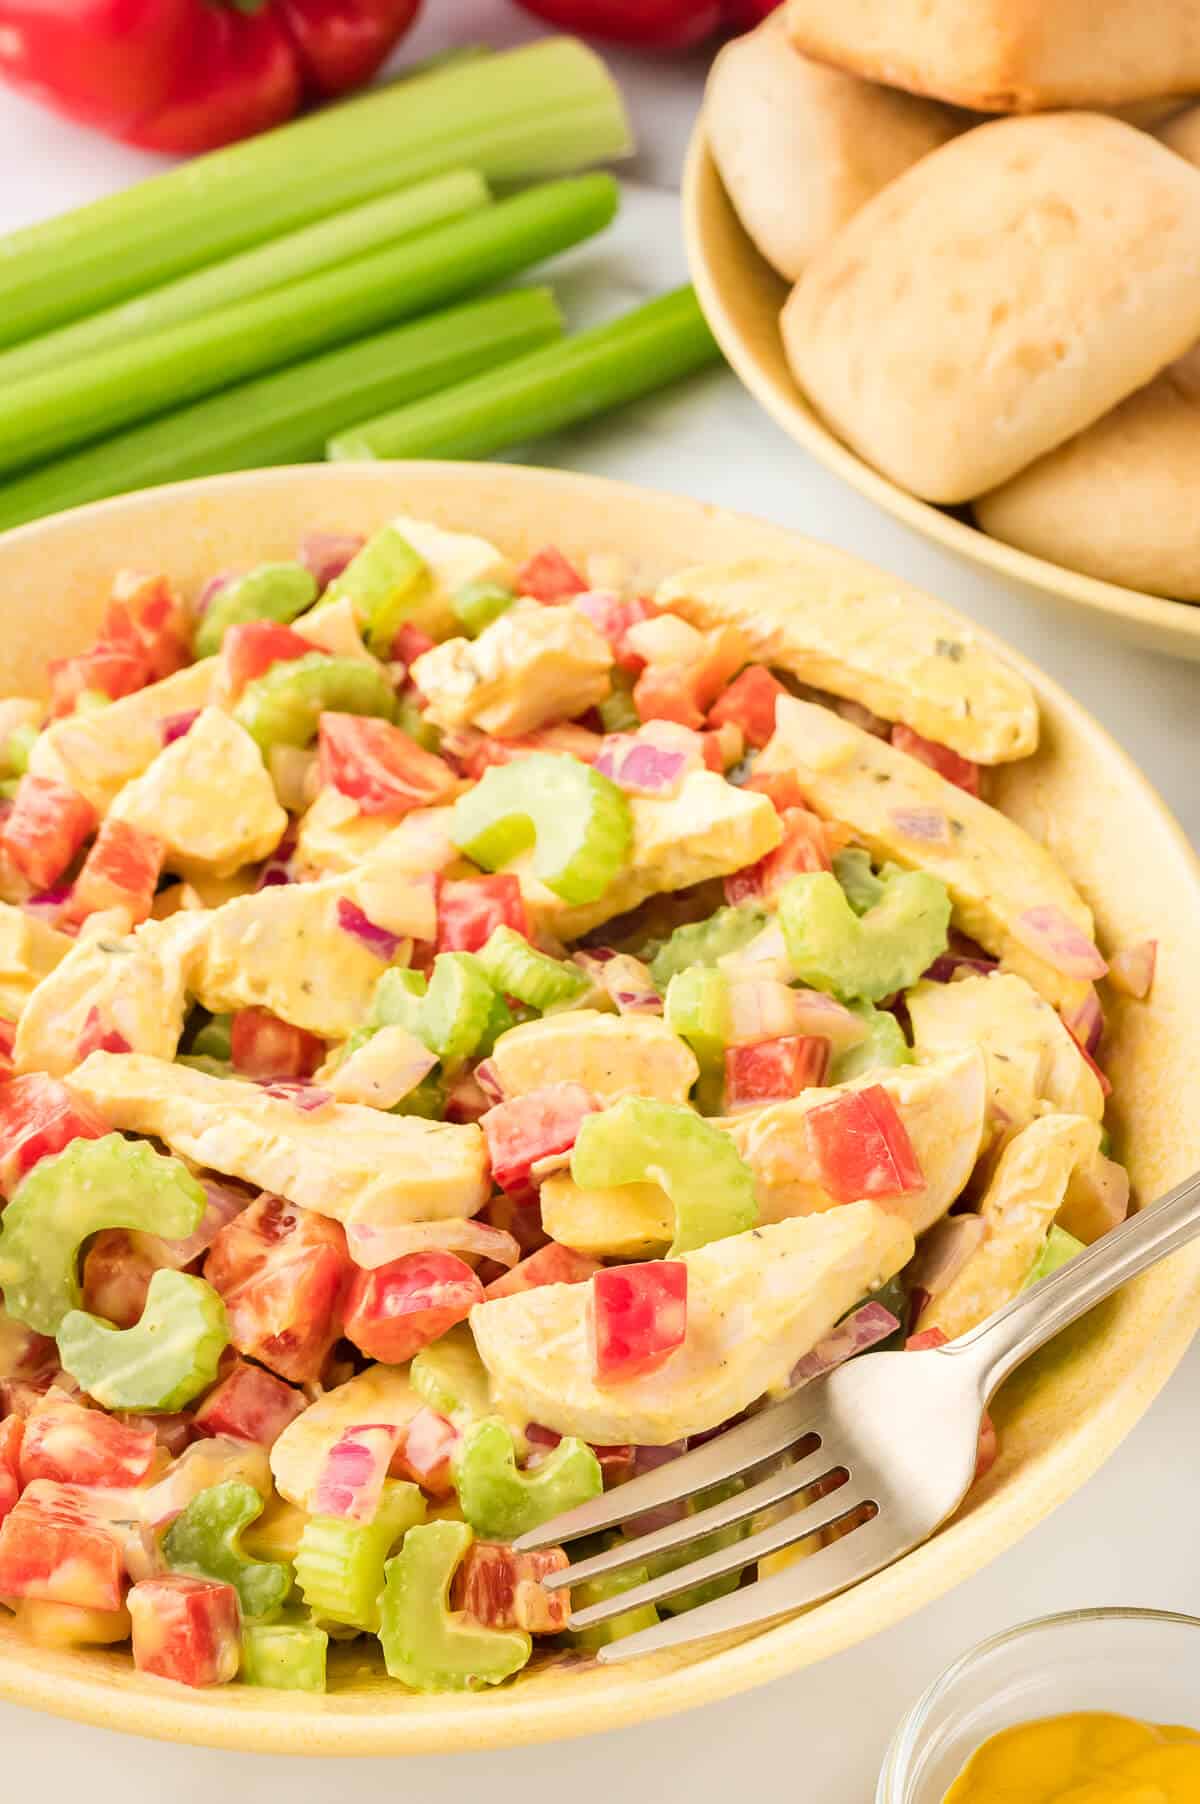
x=996, y=311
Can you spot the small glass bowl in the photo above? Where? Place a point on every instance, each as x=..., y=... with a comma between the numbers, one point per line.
x=1139, y=1663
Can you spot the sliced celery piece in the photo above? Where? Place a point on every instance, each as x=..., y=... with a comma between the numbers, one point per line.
x=598, y=1591
x=213, y=1039
x=204, y=1541
x=704, y=942
x=501, y=1502
x=20, y=744
x=883, y=1049
x=425, y=1643
x=576, y=820
x=339, y=1565
x=476, y=605
x=1058, y=1249
x=287, y=416
x=165, y=1360
x=286, y=1656
x=617, y=712
x=285, y=704
x=514, y=968
x=269, y=592
x=697, y=1007
x=641, y=1141
x=852, y=868
x=386, y=583
x=49, y=413
x=533, y=112
x=864, y=957
x=449, y=1013
x=268, y=266
x=450, y=1376
x=92, y=1184
x=546, y=390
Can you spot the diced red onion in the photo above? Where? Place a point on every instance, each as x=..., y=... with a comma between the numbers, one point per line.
x=1085, y=1021
x=326, y=554
x=277, y=868
x=349, y=1481
x=488, y=1080
x=943, y=1251
x=1053, y=936
x=1131, y=970
x=766, y=955
x=760, y=1008
x=174, y=726
x=222, y=1204
x=641, y=769
x=352, y=920
x=928, y=825
x=212, y=589
x=821, y=1017
x=308, y=1098
x=46, y=904
x=382, y=1071
x=372, y=1247
x=865, y=1328
x=549, y=1165
x=624, y=979
x=949, y=965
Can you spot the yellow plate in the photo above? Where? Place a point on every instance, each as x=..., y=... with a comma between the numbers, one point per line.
x=1059, y=1418
x=742, y=296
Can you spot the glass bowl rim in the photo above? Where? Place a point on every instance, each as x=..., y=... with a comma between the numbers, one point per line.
x=906, y=1742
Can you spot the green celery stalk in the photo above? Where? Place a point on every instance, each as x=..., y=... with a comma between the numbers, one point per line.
x=546, y=390
x=543, y=110
x=286, y=417
x=325, y=245
x=60, y=409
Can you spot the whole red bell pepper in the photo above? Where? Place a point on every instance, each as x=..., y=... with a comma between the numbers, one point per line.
x=652, y=24
x=188, y=75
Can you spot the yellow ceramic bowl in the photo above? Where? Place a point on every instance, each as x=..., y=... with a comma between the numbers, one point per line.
x=1059, y=1418
x=742, y=296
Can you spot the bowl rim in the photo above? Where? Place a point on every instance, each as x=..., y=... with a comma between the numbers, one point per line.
x=905, y=1743
x=261, y=1722
x=1151, y=619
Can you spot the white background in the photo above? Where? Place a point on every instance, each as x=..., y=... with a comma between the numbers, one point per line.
x=1129, y=1536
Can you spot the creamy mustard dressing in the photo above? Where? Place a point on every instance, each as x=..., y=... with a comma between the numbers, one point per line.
x=1086, y=1758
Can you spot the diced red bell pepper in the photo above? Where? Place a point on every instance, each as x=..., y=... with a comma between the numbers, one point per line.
x=45, y=828
x=282, y=1272
x=549, y=576
x=38, y=1117
x=988, y=1451
x=861, y=1147
x=781, y=786
x=379, y=767
x=11, y=1430
x=99, y=1036
x=804, y=847
x=684, y=692
x=773, y=1070
x=613, y=615
x=749, y=702
x=326, y=554
x=504, y=1590
x=187, y=1629
x=111, y=670
x=470, y=909
x=553, y=1264
x=640, y=1317
x=54, y=1548
x=426, y=1453
x=249, y=1404
x=531, y=1127
x=121, y=871
x=148, y=615
x=77, y=1446
x=410, y=643
x=394, y=1311
x=648, y=24
x=270, y=1050
x=249, y=649
x=563, y=736
x=962, y=772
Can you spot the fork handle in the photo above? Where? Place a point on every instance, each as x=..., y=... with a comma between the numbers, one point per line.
x=1000, y=1344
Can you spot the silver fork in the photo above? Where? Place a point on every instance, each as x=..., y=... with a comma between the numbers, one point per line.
x=896, y=1432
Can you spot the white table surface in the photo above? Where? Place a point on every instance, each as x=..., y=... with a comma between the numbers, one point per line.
x=1128, y=1536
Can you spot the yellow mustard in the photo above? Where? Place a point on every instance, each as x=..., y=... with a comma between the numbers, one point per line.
x=1089, y=1758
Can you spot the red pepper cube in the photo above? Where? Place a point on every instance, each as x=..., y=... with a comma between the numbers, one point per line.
x=39, y=1117
x=248, y=651
x=804, y=847
x=532, y=1127
x=282, y=1272
x=861, y=1147
x=379, y=767
x=613, y=615
x=121, y=871
x=69, y=1444
x=410, y=643
x=45, y=828
x=148, y=615
x=107, y=669
x=394, y=1311
x=470, y=910
x=53, y=1548
x=749, y=703
x=960, y=771
x=11, y=1430
x=640, y=1317
x=251, y=1405
x=553, y=1264
x=504, y=1590
x=548, y=576
x=774, y=1070
x=269, y=1050
x=426, y=1453
x=187, y=1629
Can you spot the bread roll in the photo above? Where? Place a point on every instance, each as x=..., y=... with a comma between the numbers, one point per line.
x=999, y=296
x=1009, y=56
x=800, y=147
x=1119, y=500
